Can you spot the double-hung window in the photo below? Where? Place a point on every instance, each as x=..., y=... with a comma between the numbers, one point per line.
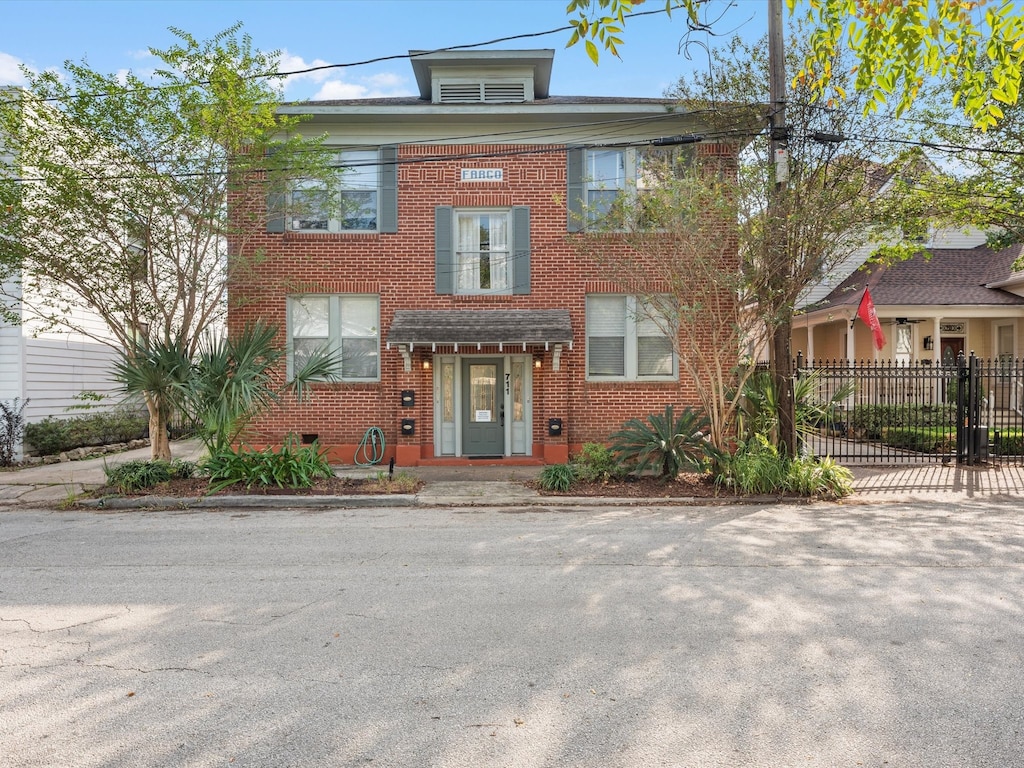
x=350, y=206
x=482, y=250
x=483, y=261
x=595, y=178
x=605, y=180
x=628, y=339
x=343, y=324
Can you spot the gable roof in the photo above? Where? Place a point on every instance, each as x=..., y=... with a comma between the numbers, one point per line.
x=951, y=276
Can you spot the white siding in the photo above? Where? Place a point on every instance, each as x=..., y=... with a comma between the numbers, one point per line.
x=57, y=371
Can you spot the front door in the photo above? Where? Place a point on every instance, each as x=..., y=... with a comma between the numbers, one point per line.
x=483, y=414
x=952, y=347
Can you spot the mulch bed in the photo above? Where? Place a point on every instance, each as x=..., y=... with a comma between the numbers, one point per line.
x=197, y=487
x=685, y=486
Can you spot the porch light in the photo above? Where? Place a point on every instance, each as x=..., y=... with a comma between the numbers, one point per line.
x=929, y=343
x=536, y=363
x=426, y=365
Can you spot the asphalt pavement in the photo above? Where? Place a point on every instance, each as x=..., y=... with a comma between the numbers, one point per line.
x=741, y=636
x=481, y=485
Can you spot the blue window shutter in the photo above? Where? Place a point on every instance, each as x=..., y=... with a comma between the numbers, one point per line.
x=444, y=253
x=387, y=215
x=574, y=157
x=521, y=254
x=275, y=205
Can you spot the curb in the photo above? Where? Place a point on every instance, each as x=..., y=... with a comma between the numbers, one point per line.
x=418, y=501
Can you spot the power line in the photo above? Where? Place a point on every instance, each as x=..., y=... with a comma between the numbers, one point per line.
x=364, y=62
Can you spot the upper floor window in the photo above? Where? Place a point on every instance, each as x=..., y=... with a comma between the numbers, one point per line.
x=350, y=207
x=605, y=179
x=346, y=325
x=482, y=251
x=627, y=339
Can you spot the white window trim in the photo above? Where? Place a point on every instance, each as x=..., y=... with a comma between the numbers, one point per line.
x=589, y=185
x=334, y=337
x=510, y=251
x=631, y=347
x=334, y=224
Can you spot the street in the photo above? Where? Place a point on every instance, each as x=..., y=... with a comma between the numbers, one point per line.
x=789, y=635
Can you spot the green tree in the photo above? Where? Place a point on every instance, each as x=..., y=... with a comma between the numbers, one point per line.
x=979, y=44
x=677, y=228
x=117, y=192
x=223, y=383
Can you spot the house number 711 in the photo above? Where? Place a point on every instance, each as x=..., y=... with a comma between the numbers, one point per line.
x=508, y=383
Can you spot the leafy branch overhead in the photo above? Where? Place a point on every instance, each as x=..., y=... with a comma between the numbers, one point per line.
x=979, y=44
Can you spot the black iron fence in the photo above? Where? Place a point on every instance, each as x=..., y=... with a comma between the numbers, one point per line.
x=970, y=411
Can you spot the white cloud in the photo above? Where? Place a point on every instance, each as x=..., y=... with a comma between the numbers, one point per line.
x=339, y=83
x=10, y=72
x=291, y=63
x=372, y=87
x=335, y=89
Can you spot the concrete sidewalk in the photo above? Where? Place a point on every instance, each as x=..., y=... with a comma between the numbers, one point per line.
x=51, y=484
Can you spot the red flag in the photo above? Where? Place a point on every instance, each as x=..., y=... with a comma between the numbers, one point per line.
x=866, y=312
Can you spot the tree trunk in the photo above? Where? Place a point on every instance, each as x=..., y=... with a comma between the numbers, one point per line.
x=780, y=364
x=159, y=441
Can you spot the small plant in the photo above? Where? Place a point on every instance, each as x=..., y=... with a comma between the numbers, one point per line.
x=290, y=466
x=12, y=427
x=134, y=476
x=665, y=443
x=596, y=463
x=822, y=478
x=756, y=467
x=557, y=477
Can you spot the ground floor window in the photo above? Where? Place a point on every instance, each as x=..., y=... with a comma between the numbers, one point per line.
x=627, y=339
x=346, y=324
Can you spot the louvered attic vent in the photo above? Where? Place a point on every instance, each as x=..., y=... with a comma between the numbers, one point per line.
x=481, y=92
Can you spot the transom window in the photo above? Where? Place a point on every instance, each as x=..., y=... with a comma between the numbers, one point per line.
x=483, y=262
x=626, y=339
x=347, y=325
x=352, y=206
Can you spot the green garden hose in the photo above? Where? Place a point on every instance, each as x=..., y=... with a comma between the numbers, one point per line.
x=371, y=448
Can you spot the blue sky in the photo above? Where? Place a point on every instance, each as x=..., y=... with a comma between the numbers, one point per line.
x=114, y=35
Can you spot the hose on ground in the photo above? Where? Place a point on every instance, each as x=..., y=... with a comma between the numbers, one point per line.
x=371, y=448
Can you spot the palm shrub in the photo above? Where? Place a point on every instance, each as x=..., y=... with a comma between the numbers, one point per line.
x=665, y=443
x=226, y=384
x=759, y=407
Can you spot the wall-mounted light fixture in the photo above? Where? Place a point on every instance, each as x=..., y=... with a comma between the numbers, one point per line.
x=426, y=365
x=536, y=363
x=929, y=343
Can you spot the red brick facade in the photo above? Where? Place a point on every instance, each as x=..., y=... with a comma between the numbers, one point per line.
x=400, y=269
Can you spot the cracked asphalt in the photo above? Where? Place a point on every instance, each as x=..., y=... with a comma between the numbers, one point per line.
x=787, y=635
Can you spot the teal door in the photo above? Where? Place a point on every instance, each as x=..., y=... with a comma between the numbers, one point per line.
x=483, y=415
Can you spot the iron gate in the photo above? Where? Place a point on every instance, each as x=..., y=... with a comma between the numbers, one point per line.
x=969, y=411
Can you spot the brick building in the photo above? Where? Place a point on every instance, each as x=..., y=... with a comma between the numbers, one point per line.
x=471, y=323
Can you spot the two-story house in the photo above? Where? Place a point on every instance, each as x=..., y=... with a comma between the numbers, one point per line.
x=471, y=324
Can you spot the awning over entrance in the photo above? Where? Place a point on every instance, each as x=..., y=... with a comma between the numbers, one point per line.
x=522, y=328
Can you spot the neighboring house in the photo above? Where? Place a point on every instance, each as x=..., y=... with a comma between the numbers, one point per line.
x=48, y=366
x=955, y=300
x=470, y=323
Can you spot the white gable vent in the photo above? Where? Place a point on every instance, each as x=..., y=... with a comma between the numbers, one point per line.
x=481, y=91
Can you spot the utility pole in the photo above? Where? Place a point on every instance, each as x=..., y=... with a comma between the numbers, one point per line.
x=780, y=358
